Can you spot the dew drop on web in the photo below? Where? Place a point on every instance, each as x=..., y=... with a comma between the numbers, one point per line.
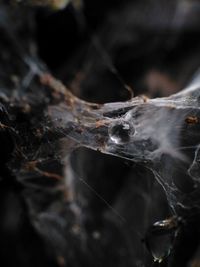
x=121, y=132
x=160, y=238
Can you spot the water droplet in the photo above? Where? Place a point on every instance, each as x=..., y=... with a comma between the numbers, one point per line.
x=120, y=132
x=160, y=238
